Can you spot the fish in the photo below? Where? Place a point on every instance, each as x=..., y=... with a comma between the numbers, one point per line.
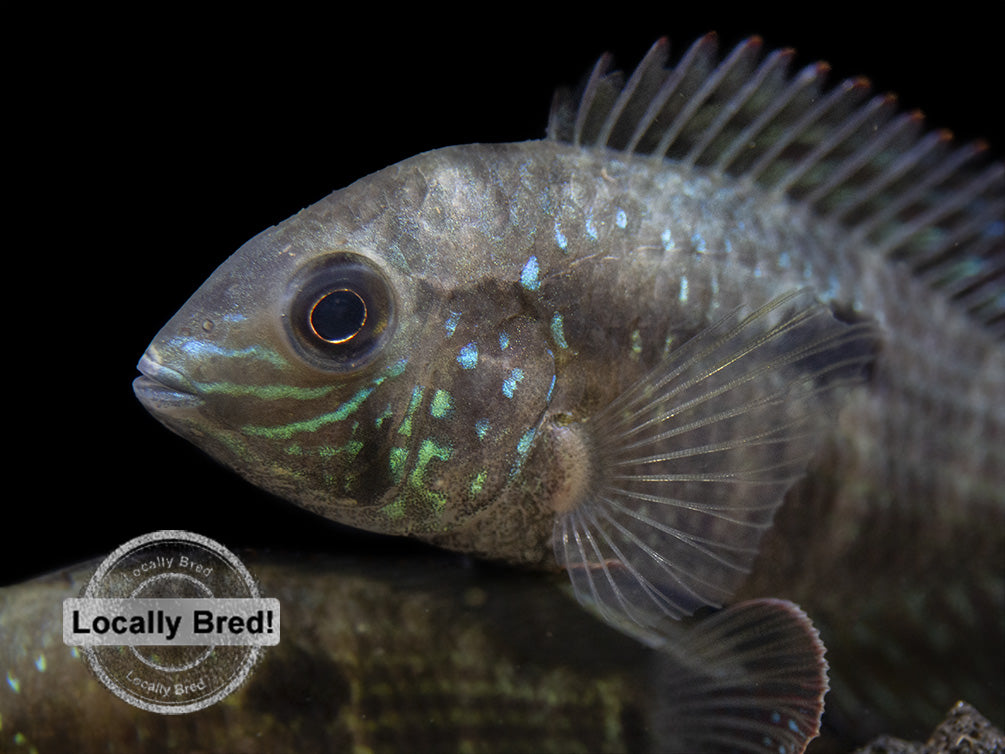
x=430, y=654
x=724, y=334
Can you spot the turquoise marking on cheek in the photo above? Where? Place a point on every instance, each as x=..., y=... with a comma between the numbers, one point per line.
x=524, y=445
x=682, y=296
x=442, y=404
x=591, y=227
x=528, y=276
x=468, y=357
x=557, y=330
x=522, y=449
x=667, y=238
x=397, y=368
x=14, y=683
x=503, y=341
x=621, y=219
x=560, y=238
x=510, y=383
x=396, y=462
x=482, y=428
x=40, y=664
x=699, y=243
x=451, y=323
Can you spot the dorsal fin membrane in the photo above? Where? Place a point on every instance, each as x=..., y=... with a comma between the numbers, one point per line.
x=912, y=196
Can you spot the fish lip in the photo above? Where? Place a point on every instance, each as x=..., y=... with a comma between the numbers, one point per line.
x=161, y=387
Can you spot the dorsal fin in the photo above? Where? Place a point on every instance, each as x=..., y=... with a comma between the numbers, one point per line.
x=912, y=196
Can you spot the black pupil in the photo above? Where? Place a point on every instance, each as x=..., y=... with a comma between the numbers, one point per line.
x=338, y=316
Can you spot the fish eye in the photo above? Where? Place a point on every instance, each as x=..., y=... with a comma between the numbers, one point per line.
x=340, y=311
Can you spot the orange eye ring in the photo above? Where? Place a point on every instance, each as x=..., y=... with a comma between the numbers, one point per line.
x=338, y=316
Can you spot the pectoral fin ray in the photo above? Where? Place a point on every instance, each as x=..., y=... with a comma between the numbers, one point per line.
x=690, y=464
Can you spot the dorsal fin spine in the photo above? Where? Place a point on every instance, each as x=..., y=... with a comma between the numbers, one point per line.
x=656, y=58
x=703, y=48
x=833, y=140
x=683, y=116
x=776, y=61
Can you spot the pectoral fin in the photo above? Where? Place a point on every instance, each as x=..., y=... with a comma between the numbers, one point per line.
x=687, y=467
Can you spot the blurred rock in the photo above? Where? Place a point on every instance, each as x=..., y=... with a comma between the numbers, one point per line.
x=964, y=731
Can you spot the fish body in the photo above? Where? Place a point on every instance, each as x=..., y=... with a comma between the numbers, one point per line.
x=392, y=655
x=714, y=289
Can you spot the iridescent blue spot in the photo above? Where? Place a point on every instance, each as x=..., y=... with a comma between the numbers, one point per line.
x=524, y=445
x=528, y=276
x=40, y=663
x=775, y=717
x=698, y=241
x=621, y=219
x=468, y=357
x=784, y=261
x=522, y=448
x=792, y=726
x=560, y=238
x=14, y=683
x=482, y=428
x=451, y=323
x=503, y=341
x=557, y=331
x=551, y=387
x=667, y=238
x=729, y=246
x=591, y=227
x=510, y=383
x=682, y=296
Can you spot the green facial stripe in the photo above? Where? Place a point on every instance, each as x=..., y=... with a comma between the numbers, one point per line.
x=478, y=482
x=384, y=414
x=406, y=425
x=428, y=451
x=286, y=431
x=397, y=460
x=442, y=404
x=265, y=392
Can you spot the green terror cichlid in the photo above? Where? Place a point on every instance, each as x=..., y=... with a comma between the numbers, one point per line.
x=723, y=334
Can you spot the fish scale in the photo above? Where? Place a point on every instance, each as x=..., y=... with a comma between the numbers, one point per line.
x=716, y=293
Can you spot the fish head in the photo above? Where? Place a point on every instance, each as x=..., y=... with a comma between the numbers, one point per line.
x=363, y=358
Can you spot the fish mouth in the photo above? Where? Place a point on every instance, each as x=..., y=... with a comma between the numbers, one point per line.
x=161, y=388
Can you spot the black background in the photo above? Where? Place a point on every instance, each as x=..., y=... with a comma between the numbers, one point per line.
x=146, y=148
